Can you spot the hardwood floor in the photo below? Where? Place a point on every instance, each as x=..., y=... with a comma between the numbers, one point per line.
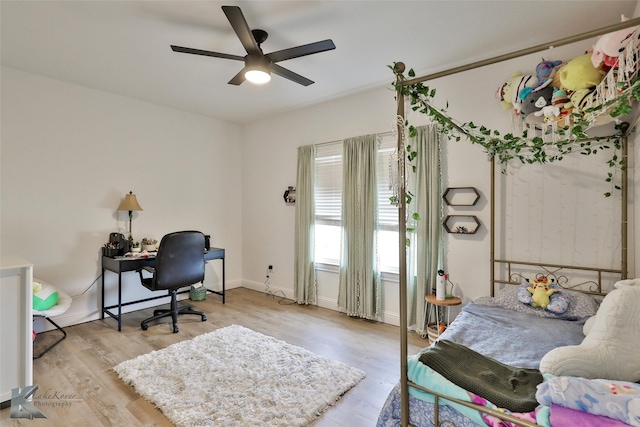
x=77, y=387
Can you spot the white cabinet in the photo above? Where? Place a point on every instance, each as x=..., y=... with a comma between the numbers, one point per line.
x=16, y=325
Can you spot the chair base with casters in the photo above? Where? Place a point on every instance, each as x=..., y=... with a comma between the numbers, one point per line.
x=172, y=312
x=63, y=304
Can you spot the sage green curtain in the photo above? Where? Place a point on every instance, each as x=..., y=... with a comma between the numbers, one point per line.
x=426, y=242
x=304, y=278
x=358, y=292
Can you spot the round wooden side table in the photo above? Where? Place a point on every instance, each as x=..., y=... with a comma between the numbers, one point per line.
x=432, y=302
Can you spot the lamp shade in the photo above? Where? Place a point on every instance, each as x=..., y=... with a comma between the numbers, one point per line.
x=129, y=203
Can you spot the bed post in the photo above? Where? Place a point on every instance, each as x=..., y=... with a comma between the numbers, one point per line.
x=625, y=197
x=492, y=224
x=402, y=235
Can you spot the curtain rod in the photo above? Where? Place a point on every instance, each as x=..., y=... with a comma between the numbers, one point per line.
x=523, y=52
x=340, y=140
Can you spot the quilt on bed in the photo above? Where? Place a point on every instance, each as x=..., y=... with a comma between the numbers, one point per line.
x=502, y=334
x=515, y=338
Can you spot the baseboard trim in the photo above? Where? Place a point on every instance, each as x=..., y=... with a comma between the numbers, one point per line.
x=70, y=319
x=390, y=318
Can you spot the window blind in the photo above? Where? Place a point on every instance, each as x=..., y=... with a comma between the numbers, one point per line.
x=329, y=183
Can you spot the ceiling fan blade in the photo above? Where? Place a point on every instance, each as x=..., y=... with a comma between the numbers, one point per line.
x=240, y=26
x=287, y=74
x=307, y=49
x=238, y=78
x=206, y=53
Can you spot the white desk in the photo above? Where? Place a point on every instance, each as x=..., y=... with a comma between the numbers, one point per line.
x=16, y=326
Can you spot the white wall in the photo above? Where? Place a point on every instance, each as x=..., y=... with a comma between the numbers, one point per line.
x=70, y=154
x=269, y=152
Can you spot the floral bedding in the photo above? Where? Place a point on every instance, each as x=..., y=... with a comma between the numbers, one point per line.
x=618, y=400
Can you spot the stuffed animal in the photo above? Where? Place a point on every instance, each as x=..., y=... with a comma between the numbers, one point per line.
x=544, y=73
x=550, y=113
x=582, y=99
x=610, y=46
x=610, y=349
x=508, y=93
x=579, y=73
x=559, y=98
x=552, y=108
x=541, y=292
x=535, y=101
x=555, y=80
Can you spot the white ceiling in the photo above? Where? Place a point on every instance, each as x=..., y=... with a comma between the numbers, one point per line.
x=122, y=47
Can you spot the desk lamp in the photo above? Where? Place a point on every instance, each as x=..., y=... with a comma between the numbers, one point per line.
x=130, y=203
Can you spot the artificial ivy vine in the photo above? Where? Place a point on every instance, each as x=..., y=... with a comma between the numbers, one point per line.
x=567, y=140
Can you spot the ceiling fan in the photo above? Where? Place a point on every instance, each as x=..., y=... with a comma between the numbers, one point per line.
x=258, y=66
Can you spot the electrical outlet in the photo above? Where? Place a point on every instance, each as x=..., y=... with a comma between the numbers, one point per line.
x=270, y=268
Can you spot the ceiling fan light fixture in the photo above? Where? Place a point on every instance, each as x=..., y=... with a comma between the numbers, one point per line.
x=257, y=76
x=258, y=69
x=258, y=66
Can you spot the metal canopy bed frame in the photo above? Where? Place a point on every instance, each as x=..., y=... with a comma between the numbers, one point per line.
x=505, y=263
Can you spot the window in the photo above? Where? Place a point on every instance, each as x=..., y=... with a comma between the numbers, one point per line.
x=328, y=205
x=388, y=247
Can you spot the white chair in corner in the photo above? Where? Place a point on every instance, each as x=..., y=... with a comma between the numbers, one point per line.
x=63, y=304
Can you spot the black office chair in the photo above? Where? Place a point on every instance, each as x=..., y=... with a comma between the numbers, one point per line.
x=179, y=263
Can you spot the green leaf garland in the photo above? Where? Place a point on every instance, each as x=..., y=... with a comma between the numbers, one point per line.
x=506, y=148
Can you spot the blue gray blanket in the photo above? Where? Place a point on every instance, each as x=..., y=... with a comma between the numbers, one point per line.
x=513, y=338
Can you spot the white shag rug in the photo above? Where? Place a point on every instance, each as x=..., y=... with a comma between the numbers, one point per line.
x=237, y=377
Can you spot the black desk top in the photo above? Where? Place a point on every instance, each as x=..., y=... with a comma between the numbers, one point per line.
x=121, y=264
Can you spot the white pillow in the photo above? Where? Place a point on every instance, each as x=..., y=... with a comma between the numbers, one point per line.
x=627, y=282
x=611, y=348
x=588, y=325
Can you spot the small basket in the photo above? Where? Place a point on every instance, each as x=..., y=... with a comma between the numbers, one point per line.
x=434, y=331
x=111, y=252
x=198, y=294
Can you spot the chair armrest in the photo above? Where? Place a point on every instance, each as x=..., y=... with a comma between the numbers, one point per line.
x=145, y=268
